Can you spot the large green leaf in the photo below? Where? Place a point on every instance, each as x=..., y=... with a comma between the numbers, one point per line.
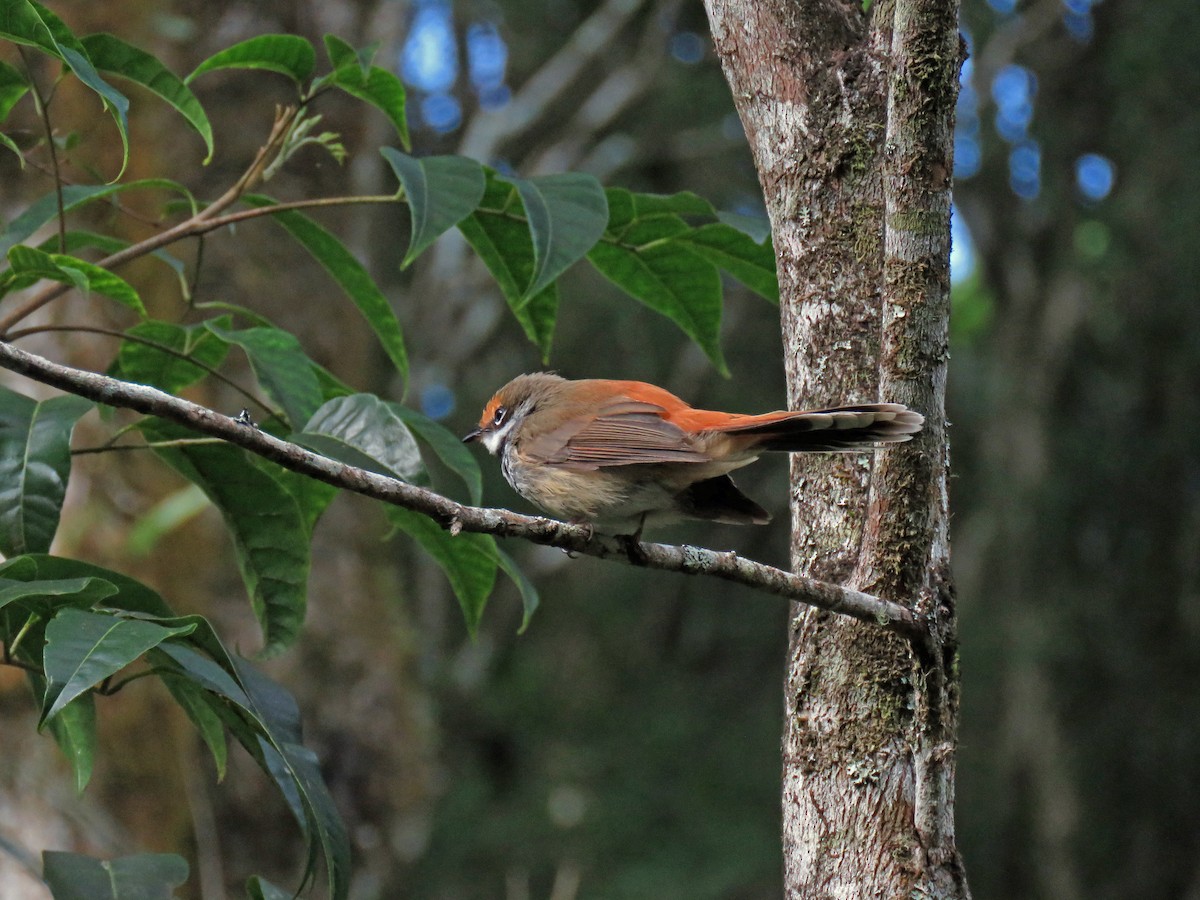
x=30, y=264
x=281, y=367
x=13, y=87
x=441, y=192
x=286, y=54
x=529, y=594
x=258, y=888
x=350, y=274
x=28, y=22
x=159, y=354
x=667, y=276
x=469, y=560
x=146, y=876
x=362, y=430
x=567, y=214
x=130, y=595
x=111, y=54
x=199, y=705
x=74, y=196
x=376, y=86
x=83, y=648
x=750, y=262
x=270, y=533
x=499, y=234
x=35, y=463
x=74, y=730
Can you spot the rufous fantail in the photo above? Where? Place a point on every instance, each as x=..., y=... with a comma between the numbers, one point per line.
x=617, y=454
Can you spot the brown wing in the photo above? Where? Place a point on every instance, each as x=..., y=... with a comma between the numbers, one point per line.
x=625, y=433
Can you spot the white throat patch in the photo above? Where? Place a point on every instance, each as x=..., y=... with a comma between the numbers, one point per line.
x=495, y=440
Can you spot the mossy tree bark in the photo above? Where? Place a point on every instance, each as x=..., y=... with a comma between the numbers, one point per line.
x=848, y=113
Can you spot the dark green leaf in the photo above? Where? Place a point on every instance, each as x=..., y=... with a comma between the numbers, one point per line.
x=312, y=496
x=161, y=357
x=146, y=876
x=448, y=447
x=131, y=595
x=469, y=560
x=626, y=207
x=35, y=463
x=502, y=240
x=79, y=592
x=751, y=263
x=269, y=532
x=758, y=228
x=350, y=274
x=361, y=430
x=567, y=215
x=111, y=54
x=13, y=87
x=74, y=730
x=258, y=888
x=281, y=367
x=83, y=648
x=284, y=53
x=668, y=277
x=441, y=192
x=376, y=86
x=529, y=593
x=197, y=702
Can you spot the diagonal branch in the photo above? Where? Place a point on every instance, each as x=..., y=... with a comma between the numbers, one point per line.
x=458, y=517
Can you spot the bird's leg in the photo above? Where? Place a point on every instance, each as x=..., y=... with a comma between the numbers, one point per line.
x=633, y=544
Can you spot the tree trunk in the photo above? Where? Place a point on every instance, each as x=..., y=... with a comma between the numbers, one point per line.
x=848, y=115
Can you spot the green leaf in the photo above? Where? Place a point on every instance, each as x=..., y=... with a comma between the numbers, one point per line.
x=258, y=888
x=281, y=367
x=448, y=447
x=469, y=560
x=503, y=241
x=312, y=496
x=145, y=876
x=28, y=22
x=350, y=274
x=750, y=262
x=13, y=87
x=198, y=704
x=361, y=430
x=286, y=54
x=74, y=730
x=111, y=54
x=668, y=277
x=270, y=534
x=167, y=366
x=131, y=594
x=626, y=207
x=86, y=591
x=74, y=196
x=77, y=239
x=8, y=142
x=83, y=648
x=168, y=514
x=376, y=86
x=567, y=215
x=441, y=192
x=30, y=264
x=35, y=463
x=529, y=593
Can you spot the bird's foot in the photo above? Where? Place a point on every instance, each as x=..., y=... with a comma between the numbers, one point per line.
x=633, y=544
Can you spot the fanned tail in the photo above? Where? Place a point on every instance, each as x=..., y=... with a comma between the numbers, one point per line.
x=840, y=428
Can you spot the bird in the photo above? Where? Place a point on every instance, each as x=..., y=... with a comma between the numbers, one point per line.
x=615, y=455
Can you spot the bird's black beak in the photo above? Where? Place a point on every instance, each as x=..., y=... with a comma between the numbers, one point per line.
x=473, y=436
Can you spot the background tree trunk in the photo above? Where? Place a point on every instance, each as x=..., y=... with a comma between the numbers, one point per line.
x=848, y=115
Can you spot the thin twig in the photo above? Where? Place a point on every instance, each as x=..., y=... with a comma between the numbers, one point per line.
x=162, y=348
x=500, y=522
x=44, y=114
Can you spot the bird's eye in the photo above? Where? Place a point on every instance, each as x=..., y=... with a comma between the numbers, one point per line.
x=500, y=416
